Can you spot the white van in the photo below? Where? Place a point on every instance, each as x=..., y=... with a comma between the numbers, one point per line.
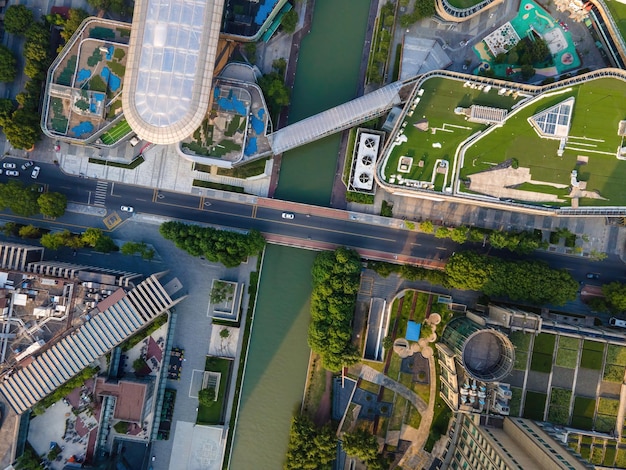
x=617, y=322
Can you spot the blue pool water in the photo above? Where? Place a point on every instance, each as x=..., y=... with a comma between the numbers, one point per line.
x=83, y=74
x=250, y=146
x=264, y=11
x=83, y=128
x=232, y=104
x=257, y=124
x=113, y=80
x=110, y=53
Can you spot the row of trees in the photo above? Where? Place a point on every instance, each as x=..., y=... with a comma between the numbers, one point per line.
x=92, y=237
x=75, y=16
x=220, y=246
x=313, y=448
x=27, y=201
x=8, y=65
x=274, y=89
x=422, y=9
x=528, y=281
x=310, y=448
x=336, y=276
x=614, y=300
x=21, y=125
x=518, y=242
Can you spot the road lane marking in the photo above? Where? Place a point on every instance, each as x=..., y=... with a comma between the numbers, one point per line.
x=100, y=197
x=416, y=244
x=201, y=203
x=441, y=248
x=254, y=209
x=155, y=194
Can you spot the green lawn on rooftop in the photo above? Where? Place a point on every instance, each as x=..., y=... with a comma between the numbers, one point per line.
x=440, y=98
x=598, y=109
x=618, y=12
x=462, y=4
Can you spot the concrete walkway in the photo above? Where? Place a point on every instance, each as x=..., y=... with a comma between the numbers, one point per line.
x=372, y=375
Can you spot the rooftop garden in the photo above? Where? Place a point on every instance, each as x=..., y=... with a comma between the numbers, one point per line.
x=87, y=79
x=536, y=171
x=431, y=132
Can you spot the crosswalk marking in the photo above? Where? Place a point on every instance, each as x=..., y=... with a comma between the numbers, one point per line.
x=102, y=188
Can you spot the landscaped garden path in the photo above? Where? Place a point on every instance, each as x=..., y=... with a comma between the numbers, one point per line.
x=372, y=375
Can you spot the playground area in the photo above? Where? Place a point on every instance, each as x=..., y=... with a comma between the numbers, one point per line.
x=530, y=22
x=423, y=151
x=233, y=126
x=85, y=91
x=577, y=166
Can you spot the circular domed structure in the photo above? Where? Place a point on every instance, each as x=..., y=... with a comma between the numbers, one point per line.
x=486, y=354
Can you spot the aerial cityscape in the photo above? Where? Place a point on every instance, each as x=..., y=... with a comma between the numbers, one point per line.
x=312, y=234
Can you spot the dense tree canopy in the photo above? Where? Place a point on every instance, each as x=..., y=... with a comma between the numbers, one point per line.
x=361, y=444
x=310, y=448
x=52, y=204
x=531, y=281
x=17, y=19
x=74, y=18
x=21, y=200
x=336, y=276
x=222, y=246
x=290, y=21
x=22, y=130
x=615, y=296
x=8, y=65
x=6, y=110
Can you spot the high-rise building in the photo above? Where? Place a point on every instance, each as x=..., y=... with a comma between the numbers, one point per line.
x=495, y=443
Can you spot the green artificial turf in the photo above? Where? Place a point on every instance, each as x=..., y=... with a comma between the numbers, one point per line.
x=541, y=362
x=597, y=112
x=616, y=355
x=566, y=358
x=440, y=98
x=544, y=343
x=534, y=405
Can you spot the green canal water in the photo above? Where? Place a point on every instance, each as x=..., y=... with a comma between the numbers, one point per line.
x=326, y=76
x=277, y=360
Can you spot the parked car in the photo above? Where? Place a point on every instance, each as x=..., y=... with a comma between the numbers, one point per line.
x=288, y=215
x=593, y=276
x=27, y=165
x=617, y=322
x=127, y=209
x=12, y=173
x=8, y=165
x=35, y=172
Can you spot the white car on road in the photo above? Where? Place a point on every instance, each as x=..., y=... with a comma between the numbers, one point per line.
x=35, y=173
x=8, y=165
x=12, y=173
x=288, y=215
x=127, y=209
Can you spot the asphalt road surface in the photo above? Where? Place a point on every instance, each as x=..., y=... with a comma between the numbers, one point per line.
x=305, y=227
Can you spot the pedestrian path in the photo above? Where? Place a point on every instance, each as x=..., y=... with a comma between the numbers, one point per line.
x=100, y=196
x=372, y=375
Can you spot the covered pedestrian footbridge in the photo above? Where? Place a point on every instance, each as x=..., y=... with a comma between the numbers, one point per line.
x=336, y=119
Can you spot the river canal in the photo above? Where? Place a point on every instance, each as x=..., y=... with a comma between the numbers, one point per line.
x=327, y=75
x=277, y=360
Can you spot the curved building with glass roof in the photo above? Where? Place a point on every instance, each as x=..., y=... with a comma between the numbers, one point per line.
x=167, y=86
